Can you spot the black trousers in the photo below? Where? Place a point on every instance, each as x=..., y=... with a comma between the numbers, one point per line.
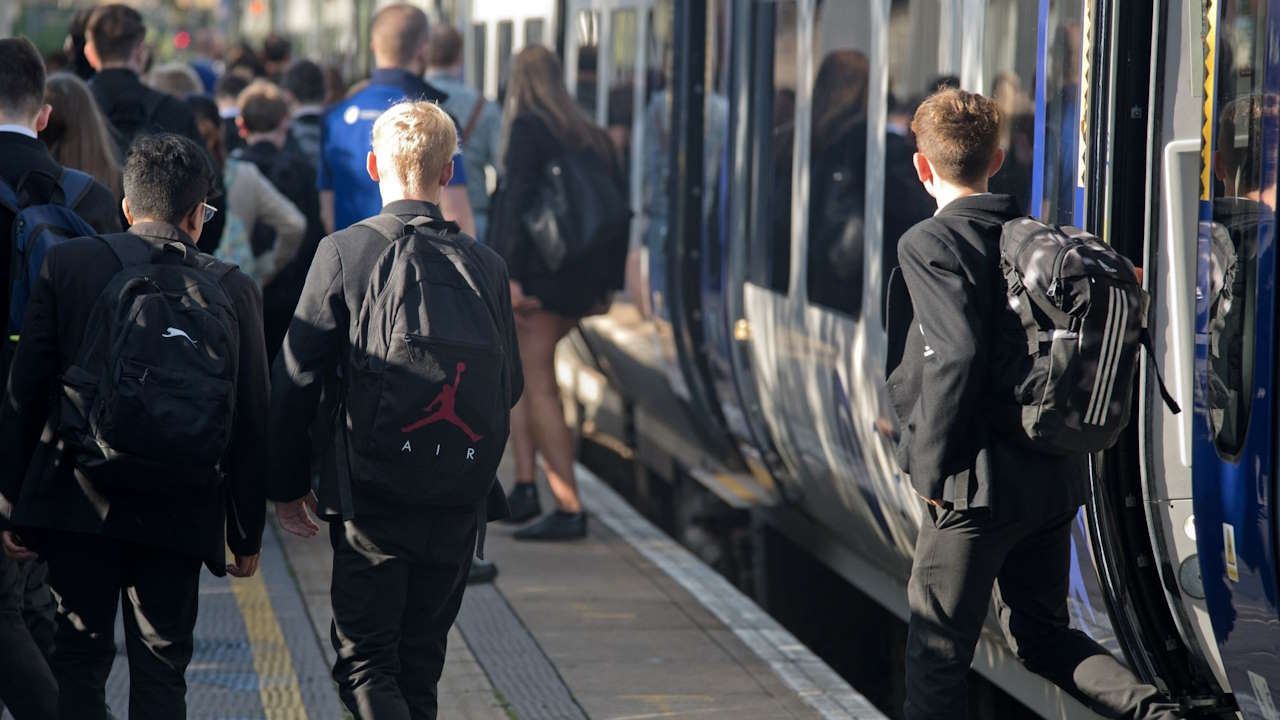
x=27, y=686
x=90, y=575
x=959, y=556
x=397, y=587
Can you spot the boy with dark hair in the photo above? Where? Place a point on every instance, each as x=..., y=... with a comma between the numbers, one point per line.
x=998, y=513
x=114, y=47
x=136, y=533
x=276, y=52
x=30, y=172
x=227, y=94
x=305, y=82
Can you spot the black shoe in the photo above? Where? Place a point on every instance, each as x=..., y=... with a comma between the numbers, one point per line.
x=482, y=571
x=523, y=502
x=558, y=525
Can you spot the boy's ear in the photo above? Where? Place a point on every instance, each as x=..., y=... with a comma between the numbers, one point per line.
x=997, y=161
x=924, y=171
x=371, y=166
x=446, y=175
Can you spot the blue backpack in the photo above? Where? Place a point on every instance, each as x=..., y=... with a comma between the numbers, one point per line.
x=37, y=227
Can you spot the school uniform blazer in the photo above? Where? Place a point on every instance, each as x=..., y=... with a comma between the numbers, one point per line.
x=945, y=390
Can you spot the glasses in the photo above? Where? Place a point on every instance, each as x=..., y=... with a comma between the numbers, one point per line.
x=209, y=211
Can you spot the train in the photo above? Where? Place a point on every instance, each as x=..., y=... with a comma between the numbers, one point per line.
x=767, y=150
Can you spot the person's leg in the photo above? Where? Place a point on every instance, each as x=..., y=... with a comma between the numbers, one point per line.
x=368, y=593
x=956, y=560
x=1031, y=604
x=523, y=498
x=85, y=576
x=27, y=686
x=160, y=598
x=436, y=583
x=546, y=413
x=39, y=611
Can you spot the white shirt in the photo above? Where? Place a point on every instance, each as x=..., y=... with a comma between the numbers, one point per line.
x=20, y=129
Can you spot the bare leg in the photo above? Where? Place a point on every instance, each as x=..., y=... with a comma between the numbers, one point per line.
x=522, y=439
x=539, y=332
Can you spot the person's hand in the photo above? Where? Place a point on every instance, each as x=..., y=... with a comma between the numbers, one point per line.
x=295, y=516
x=14, y=548
x=520, y=302
x=244, y=566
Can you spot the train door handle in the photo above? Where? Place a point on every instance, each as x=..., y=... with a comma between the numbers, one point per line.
x=1178, y=242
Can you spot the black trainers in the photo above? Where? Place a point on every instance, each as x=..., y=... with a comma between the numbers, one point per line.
x=523, y=502
x=558, y=525
x=482, y=571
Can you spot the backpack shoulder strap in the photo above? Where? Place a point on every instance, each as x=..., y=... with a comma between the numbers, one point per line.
x=75, y=186
x=8, y=197
x=388, y=226
x=129, y=251
x=1145, y=338
x=473, y=119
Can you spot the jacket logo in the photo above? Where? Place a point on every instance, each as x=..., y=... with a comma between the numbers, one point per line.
x=442, y=409
x=173, y=332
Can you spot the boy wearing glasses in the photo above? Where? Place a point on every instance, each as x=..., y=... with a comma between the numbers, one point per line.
x=100, y=537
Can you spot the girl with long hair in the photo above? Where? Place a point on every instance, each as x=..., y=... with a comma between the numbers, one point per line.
x=540, y=124
x=77, y=134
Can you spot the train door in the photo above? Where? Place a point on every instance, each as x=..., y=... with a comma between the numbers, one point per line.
x=1234, y=428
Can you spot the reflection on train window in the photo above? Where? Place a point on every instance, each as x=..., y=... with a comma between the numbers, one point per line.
x=478, y=37
x=587, y=27
x=715, y=138
x=533, y=31
x=1243, y=192
x=506, y=38
x=838, y=155
x=624, y=37
x=1008, y=76
x=656, y=149
x=1062, y=112
x=775, y=108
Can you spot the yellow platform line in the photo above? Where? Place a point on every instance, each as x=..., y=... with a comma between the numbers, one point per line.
x=277, y=681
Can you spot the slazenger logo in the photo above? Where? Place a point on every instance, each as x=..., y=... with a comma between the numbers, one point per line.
x=173, y=332
x=441, y=409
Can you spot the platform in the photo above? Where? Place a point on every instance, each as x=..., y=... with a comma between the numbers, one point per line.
x=625, y=625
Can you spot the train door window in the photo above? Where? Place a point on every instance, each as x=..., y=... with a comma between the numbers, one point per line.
x=478, y=38
x=774, y=106
x=655, y=176
x=506, y=39
x=1061, y=112
x=1242, y=190
x=838, y=154
x=534, y=29
x=623, y=50
x=587, y=26
x=1008, y=76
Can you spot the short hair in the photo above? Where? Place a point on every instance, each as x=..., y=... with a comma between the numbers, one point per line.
x=22, y=77
x=276, y=48
x=165, y=176
x=263, y=107
x=419, y=138
x=444, y=45
x=398, y=33
x=1239, y=140
x=177, y=79
x=305, y=81
x=116, y=31
x=231, y=84
x=958, y=132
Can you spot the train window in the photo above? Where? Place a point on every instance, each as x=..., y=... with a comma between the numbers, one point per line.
x=1242, y=188
x=1061, y=112
x=775, y=109
x=506, y=39
x=1010, y=48
x=534, y=29
x=624, y=38
x=654, y=217
x=587, y=27
x=478, y=38
x=838, y=154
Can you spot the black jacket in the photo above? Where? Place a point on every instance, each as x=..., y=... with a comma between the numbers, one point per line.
x=316, y=347
x=116, y=85
x=943, y=391
x=39, y=487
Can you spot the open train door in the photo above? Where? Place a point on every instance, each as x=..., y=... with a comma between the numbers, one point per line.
x=1234, y=426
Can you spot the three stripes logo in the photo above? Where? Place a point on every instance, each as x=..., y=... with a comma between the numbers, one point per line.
x=1112, y=348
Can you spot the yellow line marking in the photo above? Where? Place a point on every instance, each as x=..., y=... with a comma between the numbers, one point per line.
x=277, y=681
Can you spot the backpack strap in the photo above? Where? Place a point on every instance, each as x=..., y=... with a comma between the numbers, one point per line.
x=129, y=254
x=8, y=197
x=472, y=120
x=1145, y=338
x=1023, y=310
x=75, y=186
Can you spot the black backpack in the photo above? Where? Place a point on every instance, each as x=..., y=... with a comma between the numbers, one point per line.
x=580, y=211
x=134, y=116
x=426, y=395
x=1070, y=345
x=149, y=401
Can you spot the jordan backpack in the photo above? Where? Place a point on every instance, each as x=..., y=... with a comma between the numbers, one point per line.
x=149, y=401
x=1072, y=353
x=426, y=413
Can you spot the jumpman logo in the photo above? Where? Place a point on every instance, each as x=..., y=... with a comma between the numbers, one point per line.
x=442, y=409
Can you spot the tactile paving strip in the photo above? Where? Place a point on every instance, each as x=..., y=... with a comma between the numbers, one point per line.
x=512, y=658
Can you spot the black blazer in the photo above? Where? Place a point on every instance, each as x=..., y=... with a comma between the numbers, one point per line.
x=117, y=85
x=39, y=487
x=943, y=390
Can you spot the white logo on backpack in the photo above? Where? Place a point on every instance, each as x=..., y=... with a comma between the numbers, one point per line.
x=173, y=332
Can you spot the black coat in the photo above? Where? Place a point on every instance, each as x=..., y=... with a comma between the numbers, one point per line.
x=317, y=345
x=39, y=487
x=943, y=389
x=118, y=85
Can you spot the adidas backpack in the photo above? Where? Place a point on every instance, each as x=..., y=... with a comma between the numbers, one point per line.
x=149, y=401
x=1074, y=348
x=426, y=405
x=38, y=226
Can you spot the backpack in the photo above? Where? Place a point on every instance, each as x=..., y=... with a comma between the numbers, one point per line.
x=1233, y=240
x=131, y=117
x=1081, y=318
x=38, y=226
x=426, y=389
x=148, y=404
x=580, y=210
